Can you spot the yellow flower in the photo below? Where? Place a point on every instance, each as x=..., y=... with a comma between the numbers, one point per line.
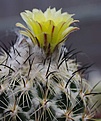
x=47, y=29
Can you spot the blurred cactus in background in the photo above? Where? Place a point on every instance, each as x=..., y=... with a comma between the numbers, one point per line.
x=39, y=79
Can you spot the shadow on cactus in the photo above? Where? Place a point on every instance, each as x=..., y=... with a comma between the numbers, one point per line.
x=39, y=79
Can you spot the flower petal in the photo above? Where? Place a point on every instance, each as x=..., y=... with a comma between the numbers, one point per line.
x=47, y=29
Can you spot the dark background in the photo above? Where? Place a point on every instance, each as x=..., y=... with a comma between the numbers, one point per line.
x=87, y=39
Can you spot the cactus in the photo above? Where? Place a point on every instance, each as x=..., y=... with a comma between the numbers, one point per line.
x=39, y=79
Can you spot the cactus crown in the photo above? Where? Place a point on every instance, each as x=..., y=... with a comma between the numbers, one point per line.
x=39, y=80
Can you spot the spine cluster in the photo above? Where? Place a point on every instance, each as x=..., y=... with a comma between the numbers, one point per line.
x=36, y=88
